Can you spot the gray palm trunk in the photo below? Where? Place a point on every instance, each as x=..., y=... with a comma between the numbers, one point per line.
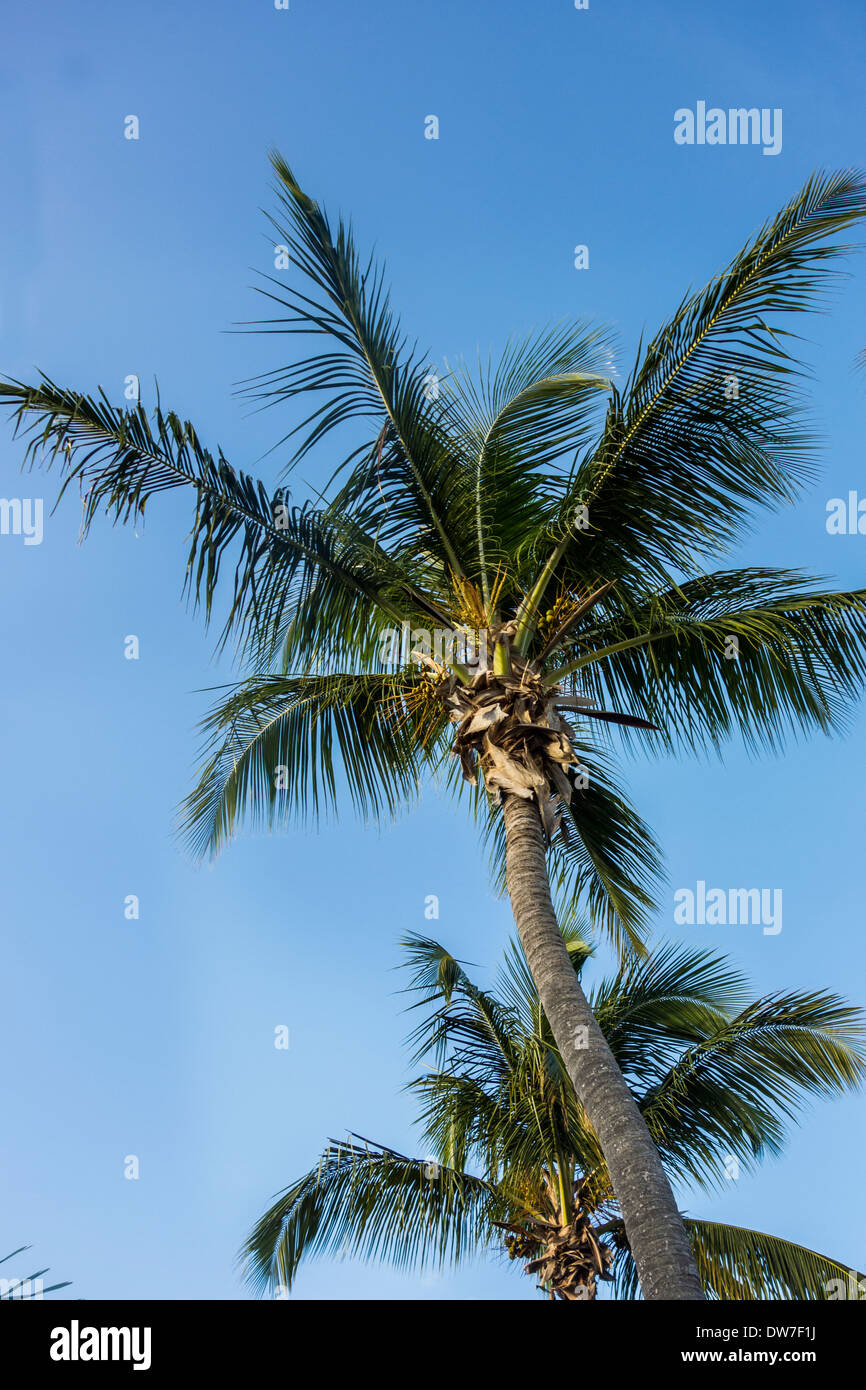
x=654, y=1226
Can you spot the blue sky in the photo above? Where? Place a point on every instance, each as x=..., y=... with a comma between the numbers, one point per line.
x=155, y=1037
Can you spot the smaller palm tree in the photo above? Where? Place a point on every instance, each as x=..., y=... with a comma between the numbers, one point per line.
x=516, y=1166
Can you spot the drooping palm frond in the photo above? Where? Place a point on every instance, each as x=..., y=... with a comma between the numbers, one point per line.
x=733, y=1092
x=606, y=862
x=740, y=1265
x=760, y=652
x=367, y=1201
x=121, y=460
x=466, y=1121
x=278, y=745
x=325, y=600
x=736, y=1263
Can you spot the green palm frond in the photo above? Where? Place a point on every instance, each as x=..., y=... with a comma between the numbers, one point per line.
x=683, y=458
x=464, y=1016
x=759, y=652
x=120, y=460
x=370, y=1202
x=368, y=370
x=499, y=1092
x=277, y=745
x=656, y=1005
x=736, y=1263
x=466, y=1120
x=514, y=423
x=740, y=1265
x=607, y=858
x=733, y=1092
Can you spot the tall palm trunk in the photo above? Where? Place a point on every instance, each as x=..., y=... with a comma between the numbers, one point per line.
x=653, y=1224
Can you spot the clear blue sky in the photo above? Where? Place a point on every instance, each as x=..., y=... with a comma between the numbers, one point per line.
x=155, y=1037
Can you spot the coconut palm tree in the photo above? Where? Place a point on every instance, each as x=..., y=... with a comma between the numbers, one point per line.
x=541, y=537
x=513, y=1165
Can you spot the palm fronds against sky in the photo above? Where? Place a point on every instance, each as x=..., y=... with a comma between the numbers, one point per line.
x=512, y=1167
x=572, y=519
x=568, y=528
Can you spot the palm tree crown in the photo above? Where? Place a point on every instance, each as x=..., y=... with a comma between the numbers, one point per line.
x=514, y=1165
x=542, y=539
x=566, y=517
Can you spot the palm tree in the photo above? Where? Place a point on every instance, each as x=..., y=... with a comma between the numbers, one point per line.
x=551, y=531
x=716, y=1075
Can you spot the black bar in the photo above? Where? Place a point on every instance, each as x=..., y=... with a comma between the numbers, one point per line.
x=411, y=1341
